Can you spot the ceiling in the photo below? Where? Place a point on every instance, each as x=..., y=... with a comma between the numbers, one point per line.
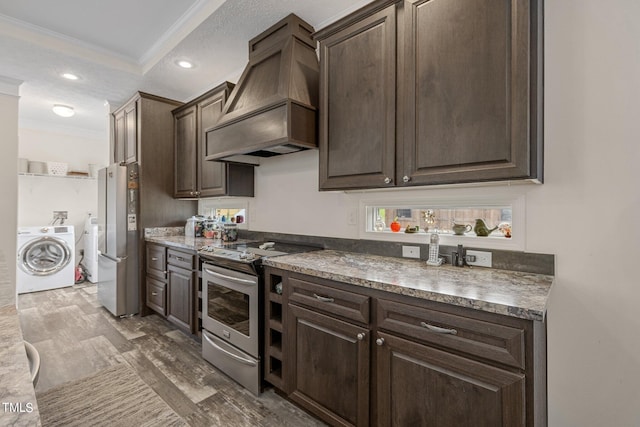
x=122, y=46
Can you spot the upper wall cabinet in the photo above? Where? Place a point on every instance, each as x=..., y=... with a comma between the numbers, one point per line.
x=125, y=142
x=421, y=92
x=195, y=176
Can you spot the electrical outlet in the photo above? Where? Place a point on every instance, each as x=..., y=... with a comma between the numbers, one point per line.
x=352, y=217
x=411, y=251
x=483, y=259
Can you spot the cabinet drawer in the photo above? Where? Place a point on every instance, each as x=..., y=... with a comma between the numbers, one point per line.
x=491, y=341
x=180, y=259
x=345, y=304
x=156, y=261
x=156, y=295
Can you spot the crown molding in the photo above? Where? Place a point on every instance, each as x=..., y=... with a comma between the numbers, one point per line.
x=189, y=21
x=9, y=86
x=15, y=28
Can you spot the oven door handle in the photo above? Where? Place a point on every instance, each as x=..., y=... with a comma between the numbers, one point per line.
x=234, y=279
x=226, y=353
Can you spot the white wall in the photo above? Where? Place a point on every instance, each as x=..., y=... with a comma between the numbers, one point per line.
x=587, y=212
x=8, y=175
x=39, y=196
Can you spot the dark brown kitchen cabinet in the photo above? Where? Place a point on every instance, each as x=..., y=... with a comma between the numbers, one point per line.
x=171, y=285
x=193, y=175
x=420, y=362
x=180, y=290
x=125, y=148
x=463, y=103
x=119, y=132
x=274, y=321
x=330, y=372
x=156, y=278
x=357, y=103
x=421, y=385
x=186, y=151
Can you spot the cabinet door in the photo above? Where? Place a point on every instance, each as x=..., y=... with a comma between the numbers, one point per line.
x=131, y=130
x=419, y=385
x=357, y=104
x=180, y=289
x=211, y=175
x=185, y=152
x=467, y=91
x=119, y=136
x=329, y=373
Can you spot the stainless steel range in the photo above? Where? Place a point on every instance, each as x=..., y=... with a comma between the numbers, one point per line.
x=232, y=307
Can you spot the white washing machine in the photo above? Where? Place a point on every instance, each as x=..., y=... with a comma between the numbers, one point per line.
x=46, y=258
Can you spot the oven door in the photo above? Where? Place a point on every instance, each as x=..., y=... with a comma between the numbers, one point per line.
x=230, y=307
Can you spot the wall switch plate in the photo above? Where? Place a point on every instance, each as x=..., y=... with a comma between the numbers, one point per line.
x=411, y=251
x=483, y=259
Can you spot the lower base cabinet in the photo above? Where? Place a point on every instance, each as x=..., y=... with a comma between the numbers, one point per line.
x=180, y=286
x=419, y=385
x=171, y=285
x=408, y=362
x=331, y=367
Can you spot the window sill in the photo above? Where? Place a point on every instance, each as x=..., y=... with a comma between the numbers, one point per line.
x=468, y=240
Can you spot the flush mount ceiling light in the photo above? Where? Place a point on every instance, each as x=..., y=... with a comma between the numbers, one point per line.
x=63, y=110
x=70, y=76
x=184, y=64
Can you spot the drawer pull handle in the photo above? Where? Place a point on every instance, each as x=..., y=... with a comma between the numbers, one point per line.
x=179, y=258
x=323, y=299
x=438, y=329
x=154, y=259
x=380, y=341
x=155, y=294
x=360, y=336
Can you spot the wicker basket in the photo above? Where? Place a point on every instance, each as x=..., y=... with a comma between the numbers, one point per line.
x=57, y=168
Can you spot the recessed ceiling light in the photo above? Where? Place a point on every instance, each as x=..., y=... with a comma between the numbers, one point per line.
x=184, y=64
x=70, y=76
x=63, y=110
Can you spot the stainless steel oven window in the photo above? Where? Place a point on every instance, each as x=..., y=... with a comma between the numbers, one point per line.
x=228, y=306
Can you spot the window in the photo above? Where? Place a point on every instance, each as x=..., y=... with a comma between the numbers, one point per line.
x=503, y=217
x=232, y=210
x=441, y=219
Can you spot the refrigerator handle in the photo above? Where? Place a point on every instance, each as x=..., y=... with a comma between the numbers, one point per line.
x=109, y=257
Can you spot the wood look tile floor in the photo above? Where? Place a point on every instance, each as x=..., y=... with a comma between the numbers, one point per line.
x=76, y=338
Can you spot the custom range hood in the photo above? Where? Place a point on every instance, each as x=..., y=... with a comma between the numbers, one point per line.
x=272, y=109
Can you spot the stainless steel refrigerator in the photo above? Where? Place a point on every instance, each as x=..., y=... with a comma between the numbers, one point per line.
x=118, y=286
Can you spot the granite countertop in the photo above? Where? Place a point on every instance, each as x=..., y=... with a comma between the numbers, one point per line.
x=516, y=294
x=181, y=242
x=174, y=237
x=15, y=378
x=191, y=243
